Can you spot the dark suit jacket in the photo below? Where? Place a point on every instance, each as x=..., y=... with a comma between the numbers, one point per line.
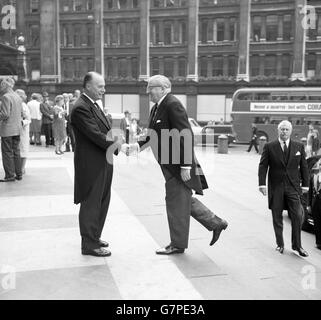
x=172, y=115
x=295, y=170
x=46, y=108
x=90, y=128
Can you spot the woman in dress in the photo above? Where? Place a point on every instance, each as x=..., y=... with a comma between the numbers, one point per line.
x=59, y=124
x=24, y=133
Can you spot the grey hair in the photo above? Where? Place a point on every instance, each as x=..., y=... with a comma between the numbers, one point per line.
x=285, y=123
x=7, y=82
x=163, y=82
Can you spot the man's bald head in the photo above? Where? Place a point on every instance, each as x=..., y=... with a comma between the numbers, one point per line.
x=94, y=85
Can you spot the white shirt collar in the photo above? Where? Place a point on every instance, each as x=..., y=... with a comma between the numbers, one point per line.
x=286, y=142
x=161, y=99
x=99, y=102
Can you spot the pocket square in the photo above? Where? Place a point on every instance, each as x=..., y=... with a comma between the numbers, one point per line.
x=298, y=153
x=158, y=121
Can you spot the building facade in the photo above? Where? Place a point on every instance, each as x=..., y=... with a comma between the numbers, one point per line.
x=209, y=48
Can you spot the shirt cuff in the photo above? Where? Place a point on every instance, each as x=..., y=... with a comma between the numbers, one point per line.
x=262, y=186
x=305, y=188
x=186, y=168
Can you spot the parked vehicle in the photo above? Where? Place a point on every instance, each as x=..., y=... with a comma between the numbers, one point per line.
x=197, y=130
x=210, y=134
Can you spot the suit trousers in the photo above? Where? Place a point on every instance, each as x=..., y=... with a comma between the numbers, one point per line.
x=71, y=135
x=47, y=128
x=283, y=195
x=180, y=205
x=93, y=210
x=11, y=159
x=316, y=213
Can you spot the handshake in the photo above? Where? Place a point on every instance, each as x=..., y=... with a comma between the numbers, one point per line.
x=130, y=149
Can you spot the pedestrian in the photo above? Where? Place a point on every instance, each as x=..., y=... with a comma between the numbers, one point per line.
x=36, y=116
x=24, y=134
x=125, y=126
x=314, y=201
x=181, y=169
x=93, y=174
x=287, y=166
x=58, y=125
x=10, y=129
x=310, y=138
x=253, y=141
x=46, y=108
x=315, y=142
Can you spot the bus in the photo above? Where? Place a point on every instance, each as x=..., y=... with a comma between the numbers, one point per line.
x=267, y=107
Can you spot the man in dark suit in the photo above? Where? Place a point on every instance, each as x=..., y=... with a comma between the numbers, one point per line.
x=253, y=141
x=46, y=108
x=93, y=174
x=285, y=160
x=179, y=165
x=124, y=126
x=10, y=128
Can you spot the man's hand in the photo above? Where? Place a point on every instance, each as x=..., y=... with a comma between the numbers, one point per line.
x=125, y=148
x=304, y=189
x=263, y=190
x=309, y=209
x=186, y=174
x=129, y=149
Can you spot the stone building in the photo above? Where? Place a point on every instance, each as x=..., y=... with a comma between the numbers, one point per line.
x=209, y=48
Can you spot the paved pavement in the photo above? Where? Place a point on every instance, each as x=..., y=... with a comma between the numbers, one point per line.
x=40, y=243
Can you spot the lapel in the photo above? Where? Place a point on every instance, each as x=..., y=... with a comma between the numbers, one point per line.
x=292, y=150
x=279, y=152
x=99, y=113
x=160, y=110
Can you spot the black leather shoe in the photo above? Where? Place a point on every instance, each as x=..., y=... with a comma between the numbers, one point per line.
x=103, y=244
x=169, y=250
x=318, y=246
x=8, y=179
x=217, y=232
x=96, y=252
x=19, y=178
x=280, y=249
x=301, y=252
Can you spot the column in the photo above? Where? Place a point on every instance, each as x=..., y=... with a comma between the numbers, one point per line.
x=280, y=28
x=99, y=36
x=244, y=42
x=298, y=67
x=49, y=41
x=144, y=63
x=192, y=71
x=263, y=28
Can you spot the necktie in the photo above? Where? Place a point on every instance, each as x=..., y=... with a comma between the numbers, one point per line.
x=154, y=113
x=285, y=151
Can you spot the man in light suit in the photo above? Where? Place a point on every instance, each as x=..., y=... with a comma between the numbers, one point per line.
x=285, y=160
x=93, y=173
x=10, y=128
x=179, y=165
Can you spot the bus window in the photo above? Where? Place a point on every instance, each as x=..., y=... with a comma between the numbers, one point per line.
x=298, y=97
x=245, y=96
x=281, y=97
x=262, y=96
x=259, y=120
x=315, y=98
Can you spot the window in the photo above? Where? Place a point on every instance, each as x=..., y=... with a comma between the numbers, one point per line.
x=256, y=28
x=122, y=4
x=203, y=67
x=65, y=5
x=255, y=65
x=271, y=28
x=77, y=33
x=34, y=6
x=182, y=67
x=155, y=66
x=169, y=67
x=220, y=25
x=135, y=3
x=122, y=68
x=109, y=4
x=90, y=5
x=270, y=65
x=121, y=33
x=232, y=63
x=158, y=3
x=109, y=68
x=34, y=35
x=134, y=62
x=90, y=35
x=107, y=34
x=78, y=68
x=203, y=31
x=244, y=96
x=232, y=29
x=168, y=32
x=287, y=27
x=155, y=34
x=135, y=32
x=286, y=65
x=217, y=66
x=183, y=33
x=169, y=3
x=77, y=5
x=311, y=64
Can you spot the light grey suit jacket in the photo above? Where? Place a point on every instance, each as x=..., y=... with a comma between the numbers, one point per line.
x=10, y=114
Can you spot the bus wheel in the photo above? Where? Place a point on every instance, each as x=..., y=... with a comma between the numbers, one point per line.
x=261, y=134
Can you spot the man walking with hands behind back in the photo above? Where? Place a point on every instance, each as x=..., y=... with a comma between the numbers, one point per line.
x=285, y=160
x=93, y=174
